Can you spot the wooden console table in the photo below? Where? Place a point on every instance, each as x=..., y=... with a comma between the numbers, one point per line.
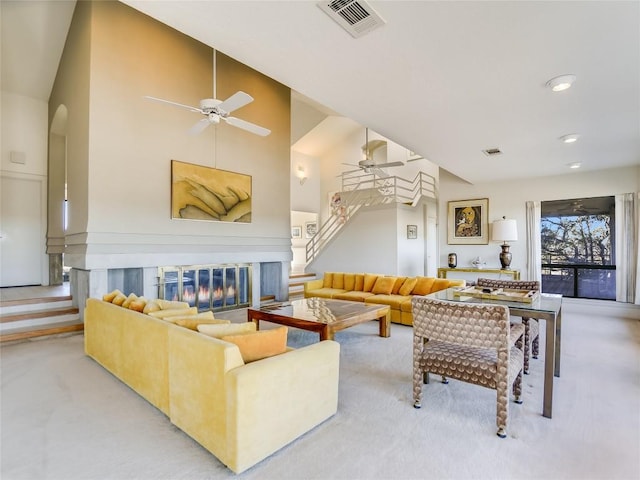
x=515, y=274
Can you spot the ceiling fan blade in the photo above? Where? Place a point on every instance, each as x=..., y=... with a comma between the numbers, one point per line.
x=350, y=164
x=248, y=126
x=349, y=171
x=188, y=107
x=390, y=164
x=415, y=159
x=199, y=126
x=235, y=101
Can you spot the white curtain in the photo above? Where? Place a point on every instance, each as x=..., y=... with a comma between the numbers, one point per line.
x=627, y=259
x=534, y=248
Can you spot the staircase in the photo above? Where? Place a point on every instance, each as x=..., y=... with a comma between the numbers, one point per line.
x=367, y=190
x=36, y=317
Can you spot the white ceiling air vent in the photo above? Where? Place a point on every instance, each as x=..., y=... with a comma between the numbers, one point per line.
x=355, y=16
x=490, y=152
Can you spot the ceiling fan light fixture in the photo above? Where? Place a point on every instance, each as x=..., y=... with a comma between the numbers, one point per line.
x=570, y=138
x=561, y=82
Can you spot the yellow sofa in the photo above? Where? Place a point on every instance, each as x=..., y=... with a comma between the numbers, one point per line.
x=241, y=413
x=395, y=291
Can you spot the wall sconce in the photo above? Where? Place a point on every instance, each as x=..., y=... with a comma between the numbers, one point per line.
x=505, y=231
x=301, y=174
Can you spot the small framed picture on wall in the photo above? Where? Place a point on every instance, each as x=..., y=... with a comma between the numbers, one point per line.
x=296, y=232
x=412, y=232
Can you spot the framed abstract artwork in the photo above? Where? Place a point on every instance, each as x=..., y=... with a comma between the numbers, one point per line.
x=412, y=232
x=467, y=222
x=296, y=232
x=205, y=193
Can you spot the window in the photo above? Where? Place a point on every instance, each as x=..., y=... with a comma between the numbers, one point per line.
x=578, y=257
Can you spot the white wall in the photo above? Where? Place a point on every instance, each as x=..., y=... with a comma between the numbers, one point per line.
x=23, y=123
x=508, y=199
x=305, y=197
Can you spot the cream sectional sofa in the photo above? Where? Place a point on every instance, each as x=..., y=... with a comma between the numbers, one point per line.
x=240, y=412
x=395, y=291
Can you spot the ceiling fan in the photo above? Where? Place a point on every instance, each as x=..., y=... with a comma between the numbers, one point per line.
x=215, y=110
x=367, y=163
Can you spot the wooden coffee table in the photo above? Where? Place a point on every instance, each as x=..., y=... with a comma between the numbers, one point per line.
x=322, y=315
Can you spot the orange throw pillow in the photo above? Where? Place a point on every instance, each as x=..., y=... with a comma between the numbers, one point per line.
x=338, y=280
x=369, y=281
x=398, y=284
x=328, y=280
x=383, y=285
x=423, y=287
x=407, y=286
x=262, y=344
x=439, y=284
x=359, y=284
x=349, y=281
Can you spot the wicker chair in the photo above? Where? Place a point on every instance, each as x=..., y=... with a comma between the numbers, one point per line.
x=531, y=326
x=468, y=342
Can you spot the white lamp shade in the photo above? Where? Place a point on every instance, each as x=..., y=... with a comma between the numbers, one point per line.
x=504, y=231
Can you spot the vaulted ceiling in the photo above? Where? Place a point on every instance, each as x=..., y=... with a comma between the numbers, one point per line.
x=447, y=79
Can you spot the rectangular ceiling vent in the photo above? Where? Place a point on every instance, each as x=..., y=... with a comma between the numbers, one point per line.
x=356, y=16
x=490, y=152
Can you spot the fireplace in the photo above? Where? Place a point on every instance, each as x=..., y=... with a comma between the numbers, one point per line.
x=208, y=287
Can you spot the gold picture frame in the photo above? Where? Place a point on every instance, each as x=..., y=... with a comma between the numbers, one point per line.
x=205, y=193
x=467, y=222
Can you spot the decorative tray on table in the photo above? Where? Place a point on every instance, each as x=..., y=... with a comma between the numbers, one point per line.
x=507, y=294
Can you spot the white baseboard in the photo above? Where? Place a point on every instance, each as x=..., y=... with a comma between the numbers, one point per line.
x=601, y=307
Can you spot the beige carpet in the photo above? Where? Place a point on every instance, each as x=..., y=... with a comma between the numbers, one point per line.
x=64, y=417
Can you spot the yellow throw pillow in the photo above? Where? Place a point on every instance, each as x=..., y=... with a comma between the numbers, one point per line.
x=170, y=304
x=119, y=299
x=359, y=284
x=383, y=285
x=439, y=284
x=407, y=286
x=397, y=285
x=338, y=280
x=423, y=287
x=175, y=312
x=132, y=297
x=108, y=297
x=192, y=323
x=138, y=304
x=208, y=315
x=328, y=280
x=258, y=345
x=218, y=331
x=151, y=306
x=369, y=281
x=349, y=281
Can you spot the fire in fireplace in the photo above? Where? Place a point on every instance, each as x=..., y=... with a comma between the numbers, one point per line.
x=209, y=287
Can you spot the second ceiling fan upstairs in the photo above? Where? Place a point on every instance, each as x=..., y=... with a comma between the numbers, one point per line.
x=368, y=163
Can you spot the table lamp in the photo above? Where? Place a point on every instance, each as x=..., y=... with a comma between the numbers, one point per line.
x=505, y=231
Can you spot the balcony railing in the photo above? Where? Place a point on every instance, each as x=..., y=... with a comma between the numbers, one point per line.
x=580, y=281
x=365, y=190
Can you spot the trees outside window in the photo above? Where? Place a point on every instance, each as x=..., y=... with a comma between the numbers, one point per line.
x=578, y=257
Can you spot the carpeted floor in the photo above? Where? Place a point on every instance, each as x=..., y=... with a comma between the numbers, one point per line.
x=65, y=417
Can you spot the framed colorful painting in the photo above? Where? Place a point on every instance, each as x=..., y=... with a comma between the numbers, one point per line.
x=204, y=193
x=467, y=222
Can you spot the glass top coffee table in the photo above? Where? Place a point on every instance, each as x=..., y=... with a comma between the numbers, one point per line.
x=322, y=315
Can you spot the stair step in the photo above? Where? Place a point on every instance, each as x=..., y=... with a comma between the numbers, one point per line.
x=30, y=333
x=40, y=314
x=302, y=275
x=34, y=304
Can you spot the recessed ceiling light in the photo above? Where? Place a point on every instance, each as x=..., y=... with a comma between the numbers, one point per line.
x=570, y=138
x=557, y=84
x=574, y=165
